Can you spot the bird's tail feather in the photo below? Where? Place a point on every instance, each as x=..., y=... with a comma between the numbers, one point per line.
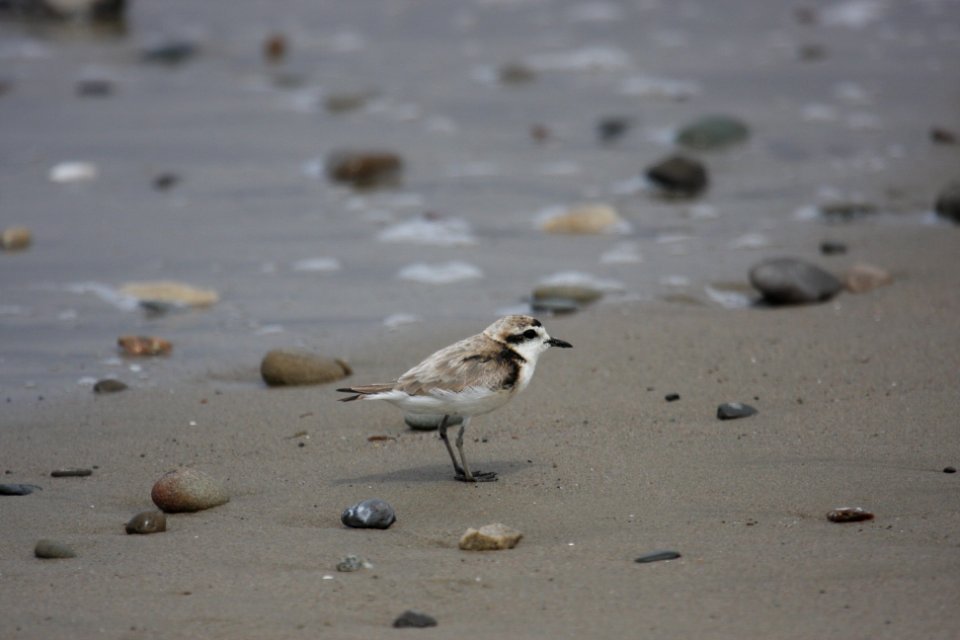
x=363, y=390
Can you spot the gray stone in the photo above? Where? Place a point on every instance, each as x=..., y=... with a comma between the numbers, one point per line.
x=712, y=133
x=414, y=619
x=109, y=385
x=71, y=473
x=784, y=281
x=17, y=489
x=657, y=556
x=50, y=549
x=369, y=514
x=948, y=202
x=734, y=410
x=147, y=522
x=678, y=176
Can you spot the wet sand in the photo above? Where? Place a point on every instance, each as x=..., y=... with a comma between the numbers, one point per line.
x=857, y=397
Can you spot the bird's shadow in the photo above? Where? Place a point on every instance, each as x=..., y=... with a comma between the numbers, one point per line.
x=432, y=473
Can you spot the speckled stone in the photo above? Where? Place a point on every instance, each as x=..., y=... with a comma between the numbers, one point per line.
x=51, y=549
x=188, y=490
x=734, y=410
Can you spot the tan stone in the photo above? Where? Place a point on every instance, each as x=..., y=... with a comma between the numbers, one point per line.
x=861, y=278
x=490, y=537
x=586, y=219
x=171, y=292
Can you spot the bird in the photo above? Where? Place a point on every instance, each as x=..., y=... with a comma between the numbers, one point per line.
x=468, y=378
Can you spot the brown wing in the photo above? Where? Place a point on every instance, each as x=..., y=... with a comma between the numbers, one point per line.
x=477, y=361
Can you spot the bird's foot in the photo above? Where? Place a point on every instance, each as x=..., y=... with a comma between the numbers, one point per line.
x=477, y=476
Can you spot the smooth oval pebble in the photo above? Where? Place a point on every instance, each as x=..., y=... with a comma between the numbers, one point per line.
x=945, y=470
x=849, y=514
x=147, y=522
x=657, y=556
x=734, y=410
x=71, y=473
x=585, y=219
x=369, y=514
x=15, y=239
x=713, y=133
x=52, y=549
x=282, y=367
x=678, y=176
x=170, y=292
x=109, y=385
x=187, y=490
x=789, y=281
x=365, y=169
x=17, y=489
x=414, y=619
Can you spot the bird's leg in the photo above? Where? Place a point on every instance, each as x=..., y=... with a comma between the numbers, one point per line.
x=466, y=476
x=443, y=436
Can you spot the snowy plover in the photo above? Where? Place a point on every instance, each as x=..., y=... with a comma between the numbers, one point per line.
x=469, y=378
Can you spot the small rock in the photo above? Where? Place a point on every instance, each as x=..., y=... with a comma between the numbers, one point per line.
x=365, y=169
x=70, y=172
x=490, y=537
x=15, y=239
x=171, y=52
x=289, y=368
x=187, y=490
x=586, y=219
x=275, y=48
x=846, y=210
x=580, y=294
x=540, y=133
x=428, y=422
x=353, y=563
x=516, y=73
x=554, y=306
x=170, y=292
x=17, y=489
x=147, y=522
x=713, y=133
x=109, y=385
x=672, y=397
x=414, y=619
x=945, y=470
x=343, y=102
x=165, y=180
x=657, y=556
x=94, y=87
x=831, y=248
x=861, y=278
x=941, y=135
x=678, y=176
x=948, y=203
x=71, y=473
x=143, y=346
x=612, y=128
x=849, y=514
x=80, y=10
x=49, y=549
x=369, y=514
x=734, y=410
x=784, y=281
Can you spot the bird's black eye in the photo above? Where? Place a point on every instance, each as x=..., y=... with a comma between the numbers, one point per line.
x=529, y=334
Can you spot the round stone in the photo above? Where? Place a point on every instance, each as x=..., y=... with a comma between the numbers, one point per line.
x=369, y=514
x=187, y=490
x=147, y=522
x=784, y=281
x=291, y=368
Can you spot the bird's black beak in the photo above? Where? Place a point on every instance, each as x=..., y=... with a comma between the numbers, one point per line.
x=563, y=344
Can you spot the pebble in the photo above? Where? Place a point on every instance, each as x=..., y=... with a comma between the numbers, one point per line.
x=846, y=210
x=657, y=556
x=170, y=292
x=369, y=514
x=109, y=385
x=831, y=248
x=280, y=368
x=414, y=619
x=554, y=306
x=71, y=473
x=849, y=514
x=712, y=133
x=941, y=135
x=490, y=537
x=516, y=73
x=78, y=10
x=945, y=470
x=49, y=549
x=582, y=295
x=353, y=563
x=275, y=48
x=586, y=219
x=15, y=239
x=784, y=281
x=678, y=176
x=365, y=169
x=147, y=522
x=343, y=102
x=672, y=397
x=144, y=346
x=17, y=489
x=94, y=87
x=165, y=180
x=861, y=278
x=69, y=172
x=612, y=128
x=948, y=202
x=428, y=422
x=170, y=52
x=187, y=490
x=734, y=410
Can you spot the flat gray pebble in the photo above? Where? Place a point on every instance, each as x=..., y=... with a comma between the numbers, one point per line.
x=733, y=410
x=18, y=489
x=369, y=514
x=71, y=473
x=109, y=385
x=784, y=281
x=657, y=556
x=147, y=522
x=49, y=549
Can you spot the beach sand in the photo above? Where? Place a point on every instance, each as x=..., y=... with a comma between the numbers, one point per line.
x=857, y=403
